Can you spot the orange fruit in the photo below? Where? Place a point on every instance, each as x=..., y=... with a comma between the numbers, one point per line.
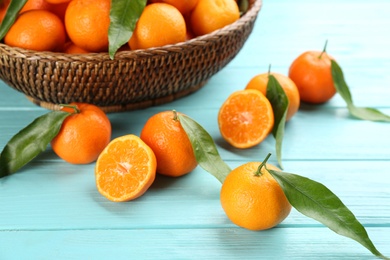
x=56, y=8
x=3, y=8
x=170, y=143
x=57, y=1
x=125, y=169
x=184, y=6
x=252, y=198
x=35, y=5
x=260, y=82
x=311, y=72
x=59, y=10
x=38, y=30
x=71, y=48
x=159, y=24
x=245, y=118
x=209, y=16
x=87, y=23
x=83, y=134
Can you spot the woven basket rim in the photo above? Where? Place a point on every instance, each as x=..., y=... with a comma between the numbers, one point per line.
x=250, y=14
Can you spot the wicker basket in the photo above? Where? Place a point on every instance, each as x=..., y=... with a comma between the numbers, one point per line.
x=134, y=79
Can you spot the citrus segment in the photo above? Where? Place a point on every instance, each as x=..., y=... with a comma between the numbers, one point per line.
x=245, y=118
x=125, y=169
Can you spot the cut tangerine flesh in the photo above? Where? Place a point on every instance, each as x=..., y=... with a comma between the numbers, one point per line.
x=246, y=118
x=125, y=169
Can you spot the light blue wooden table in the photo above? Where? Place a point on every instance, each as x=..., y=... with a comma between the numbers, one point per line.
x=52, y=210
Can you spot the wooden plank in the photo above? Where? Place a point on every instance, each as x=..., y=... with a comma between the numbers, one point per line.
x=52, y=210
x=222, y=243
x=332, y=133
x=50, y=195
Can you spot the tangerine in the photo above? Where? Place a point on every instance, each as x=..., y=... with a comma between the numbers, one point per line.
x=245, y=118
x=87, y=23
x=3, y=8
x=59, y=10
x=311, y=72
x=57, y=1
x=170, y=143
x=71, y=48
x=159, y=24
x=125, y=169
x=184, y=6
x=83, y=134
x=252, y=198
x=209, y=16
x=260, y=82
x=35, y=5
x=38, y=30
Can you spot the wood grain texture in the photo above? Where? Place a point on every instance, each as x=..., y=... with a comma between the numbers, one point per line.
x=52, y=210
x=168, y=243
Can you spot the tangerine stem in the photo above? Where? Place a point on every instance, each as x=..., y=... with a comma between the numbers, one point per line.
x=269, y=69
x=258, y=171
x=75, y=108
x=324, y=50
x=175, y=116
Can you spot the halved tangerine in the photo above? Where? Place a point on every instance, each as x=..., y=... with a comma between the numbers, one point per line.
x=125, y=169
x=246, y=118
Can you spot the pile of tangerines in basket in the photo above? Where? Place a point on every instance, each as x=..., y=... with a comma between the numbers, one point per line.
x=82, y=26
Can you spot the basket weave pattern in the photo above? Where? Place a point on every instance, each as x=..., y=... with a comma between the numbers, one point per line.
x=133, y=79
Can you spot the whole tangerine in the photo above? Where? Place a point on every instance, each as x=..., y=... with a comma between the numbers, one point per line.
x=35, y=5
x=59, y=10
x=87, y=23
x=57, y=1
x=184, y=6
x=83, y=134
x=260, y=82
x=209, y=16
x=159, y=24
x=164, y=134
x=311, y=72
x=38, y=30
x=252, y=198
x=71, y=48
x=3, y=8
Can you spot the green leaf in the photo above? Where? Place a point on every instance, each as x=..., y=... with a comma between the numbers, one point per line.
x=12, y=12
x=279, y=102
x=124, y=15
x=279, y=139
x=30, y=141
x=205, y=150
x=341, y=86
x=316, y=201
x=367, y=113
